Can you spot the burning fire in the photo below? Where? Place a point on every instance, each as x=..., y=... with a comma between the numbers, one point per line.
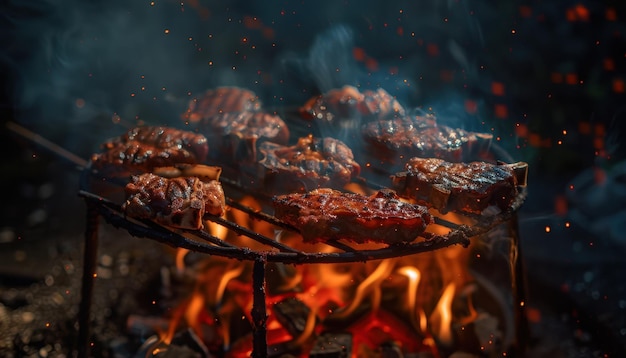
x=418, y=302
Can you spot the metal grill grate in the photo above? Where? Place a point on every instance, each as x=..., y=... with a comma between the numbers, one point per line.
x=273, y=250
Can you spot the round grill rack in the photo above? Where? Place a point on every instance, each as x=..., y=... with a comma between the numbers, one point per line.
x=273, y=250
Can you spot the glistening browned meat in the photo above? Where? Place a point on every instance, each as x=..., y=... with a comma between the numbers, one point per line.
x=142, y=149
x=420, y=136
x=348, y=103
x=327, y=214
x=235, y=136
x=221, y=100
x=176, y=202
x=309, y=164
x=465, y=187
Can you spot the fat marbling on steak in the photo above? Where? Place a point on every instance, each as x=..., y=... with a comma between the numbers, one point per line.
x=328, y=214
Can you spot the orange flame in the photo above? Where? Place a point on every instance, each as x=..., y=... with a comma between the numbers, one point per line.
x=217, y=230
x=369, y=286
x=414, y=278
x=244, y=219
x=192, y=313
x=441, y=318
x=180, y=259
x=226, y=277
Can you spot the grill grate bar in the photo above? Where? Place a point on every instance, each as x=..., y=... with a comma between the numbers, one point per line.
x=146, y=228
x=210, y=238
x=341, y=246
x=260, y=215
x=252, y=234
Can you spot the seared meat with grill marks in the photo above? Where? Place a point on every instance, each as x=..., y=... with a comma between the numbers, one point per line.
x=221, y=100
x=348, y=103
x=237, y=135
x=327, y=214
x=466, y=187
x=310, y=164
x=391, y=141
x=176, y=202
x=142, y=149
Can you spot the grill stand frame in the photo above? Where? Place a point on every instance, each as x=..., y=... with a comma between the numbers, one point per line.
x=101, y=207
x=90, y=257
x=518, y=282
x=259, y=310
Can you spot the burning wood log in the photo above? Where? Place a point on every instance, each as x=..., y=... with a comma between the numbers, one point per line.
x=332, y=345
x=292, y=315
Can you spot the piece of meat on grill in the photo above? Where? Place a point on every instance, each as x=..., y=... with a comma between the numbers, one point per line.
x=464, y=187
x=221, y=100
x=176, y=202
x=349, y=103
x=309, y=164
x=394, y=141
x=235, y=136
x=144, y=148
x=328, y=214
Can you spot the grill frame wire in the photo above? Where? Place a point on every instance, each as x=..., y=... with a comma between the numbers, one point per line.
x=206, y=243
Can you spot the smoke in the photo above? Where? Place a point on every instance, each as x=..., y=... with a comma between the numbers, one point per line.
x=330, y=59
x=100, y=64
x=78, y=64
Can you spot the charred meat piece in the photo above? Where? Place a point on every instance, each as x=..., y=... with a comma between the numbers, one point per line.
x=237, y=135
x=327, y=214
x=420, y=136
x=348, y=103
x=309, y=164
x=176, y=202
x=142, y=149
x=465, y=187
x=221, y=100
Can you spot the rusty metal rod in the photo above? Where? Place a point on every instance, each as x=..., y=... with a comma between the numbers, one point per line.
x=90, y=254
x=259, y=313
x=47, y=144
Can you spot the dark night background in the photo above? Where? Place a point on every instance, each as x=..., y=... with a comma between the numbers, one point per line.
x=547, y=78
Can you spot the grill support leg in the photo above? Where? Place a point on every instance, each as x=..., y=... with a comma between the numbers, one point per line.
x=259, y=314
x=89, y=271
x=519, y=289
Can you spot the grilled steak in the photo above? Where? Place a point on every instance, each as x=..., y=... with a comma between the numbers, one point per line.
x=142, y=149
x=466, y=187
x=176, y=202
x=221, y=100
x=417, y=136
x=348, y=103
x=327, y=214
x=236, y=135
x=310, y=164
